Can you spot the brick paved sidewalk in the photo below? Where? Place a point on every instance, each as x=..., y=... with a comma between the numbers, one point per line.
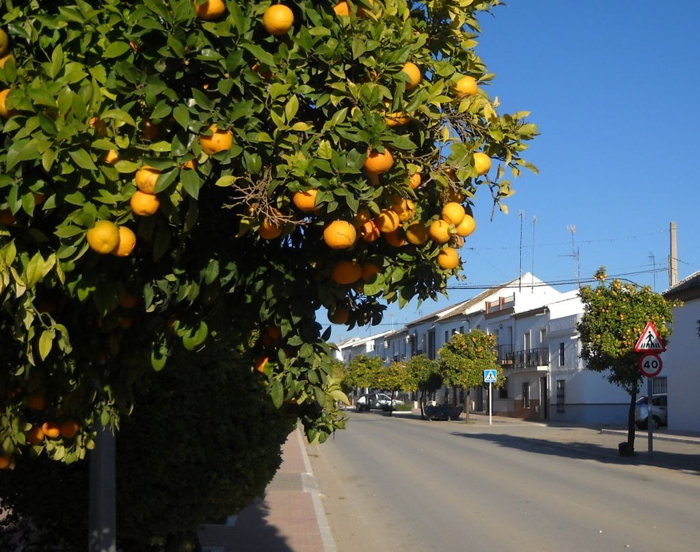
x=290, y=518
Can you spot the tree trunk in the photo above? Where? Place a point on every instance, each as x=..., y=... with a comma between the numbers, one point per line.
x=422, y=395
x=454, y=396
x=391, y=404
x=631, y=427
x=467, y=404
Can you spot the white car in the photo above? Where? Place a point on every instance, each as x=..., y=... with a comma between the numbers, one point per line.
x=659, y=411
x=377, y=400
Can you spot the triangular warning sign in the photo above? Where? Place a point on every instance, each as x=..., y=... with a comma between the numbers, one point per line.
x=649, y=341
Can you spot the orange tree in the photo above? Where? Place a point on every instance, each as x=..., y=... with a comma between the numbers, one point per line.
x=179, y=172
x=396, y=377
x=614, y=316
x=425, y=375
x=464, y=358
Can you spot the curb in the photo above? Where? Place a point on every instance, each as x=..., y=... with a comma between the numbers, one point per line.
x=657, y=436
x=310, y=485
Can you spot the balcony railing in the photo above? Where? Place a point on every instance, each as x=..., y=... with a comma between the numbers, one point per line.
x=528, y=358
x=505, y=354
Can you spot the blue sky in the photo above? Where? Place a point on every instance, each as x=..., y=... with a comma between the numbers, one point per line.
x=612, y=87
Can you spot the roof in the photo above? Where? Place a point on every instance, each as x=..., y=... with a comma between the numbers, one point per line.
x=687, y=288
x=355, y=341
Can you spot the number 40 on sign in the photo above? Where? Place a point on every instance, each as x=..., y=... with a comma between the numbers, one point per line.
x=650, y=365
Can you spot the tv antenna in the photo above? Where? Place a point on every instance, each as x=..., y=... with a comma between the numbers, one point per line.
x=575, y=253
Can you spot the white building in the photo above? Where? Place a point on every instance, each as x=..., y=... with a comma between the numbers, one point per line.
x=356, y=346
x=682, y=359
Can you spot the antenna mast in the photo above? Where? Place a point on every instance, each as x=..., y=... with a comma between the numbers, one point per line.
x=520, y=276
x=534, y=222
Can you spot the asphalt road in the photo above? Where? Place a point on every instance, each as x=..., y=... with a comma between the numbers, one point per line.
x=410, y=485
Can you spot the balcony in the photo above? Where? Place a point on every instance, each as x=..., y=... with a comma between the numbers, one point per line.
x=500, y=304
x=528, y=359
x=505, y=355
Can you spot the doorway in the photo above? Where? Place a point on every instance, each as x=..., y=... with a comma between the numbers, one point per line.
x=544, y=400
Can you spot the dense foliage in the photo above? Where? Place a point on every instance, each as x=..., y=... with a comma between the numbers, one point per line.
x=615, y=314
x=178, y=464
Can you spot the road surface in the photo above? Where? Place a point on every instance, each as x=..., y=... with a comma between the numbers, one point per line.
x=410, y=485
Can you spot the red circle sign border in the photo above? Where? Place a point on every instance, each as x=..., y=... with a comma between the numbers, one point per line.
x=641, y=365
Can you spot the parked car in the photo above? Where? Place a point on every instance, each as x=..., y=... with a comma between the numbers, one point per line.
x=659, y=411
x=377, y=400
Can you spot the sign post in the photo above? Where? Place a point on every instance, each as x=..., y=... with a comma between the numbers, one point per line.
x=490, y=377
x=650, y=365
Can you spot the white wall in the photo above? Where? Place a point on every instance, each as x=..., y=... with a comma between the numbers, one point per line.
x=682, y=367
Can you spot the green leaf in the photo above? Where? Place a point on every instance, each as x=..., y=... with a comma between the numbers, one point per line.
x=159, y=357
x=45, y=343
x=262, y=55
x=190, y=182
x=192, y=338
x=182, y=116
x=124, y=166
x=166, y=179
x=116, y=49
x=277, y=393
x=118, y=115
x=83, y=159
x=291, y=108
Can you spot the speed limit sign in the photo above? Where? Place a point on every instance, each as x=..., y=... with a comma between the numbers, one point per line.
x=650, y=365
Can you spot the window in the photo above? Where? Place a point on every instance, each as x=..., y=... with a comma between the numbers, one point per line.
x=503, y=391
x=454, y=331
x=526, y=339
x=561, y=395
x=526, y=394
x=478, y=326
x=447, y=336
x=461, y=330
x=562, y=358
x=543, y=336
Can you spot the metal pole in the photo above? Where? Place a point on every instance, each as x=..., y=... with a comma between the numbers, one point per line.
x=650, y=417
x=102, y=517
x=490, y=402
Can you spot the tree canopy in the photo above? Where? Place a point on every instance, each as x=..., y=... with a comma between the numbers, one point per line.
x=463, y=359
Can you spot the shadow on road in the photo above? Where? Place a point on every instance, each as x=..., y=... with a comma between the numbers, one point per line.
x=579, y=450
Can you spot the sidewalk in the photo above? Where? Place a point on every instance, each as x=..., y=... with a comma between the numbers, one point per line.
x=289, y=519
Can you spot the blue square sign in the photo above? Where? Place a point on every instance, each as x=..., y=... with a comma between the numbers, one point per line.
x=490, y=376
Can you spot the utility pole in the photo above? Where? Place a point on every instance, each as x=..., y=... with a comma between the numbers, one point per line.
x=534, y=221
x=520, y=276
x=673, y=258
x=652, y=258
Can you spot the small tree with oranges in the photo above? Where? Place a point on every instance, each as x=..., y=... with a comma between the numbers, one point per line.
x=179, y=172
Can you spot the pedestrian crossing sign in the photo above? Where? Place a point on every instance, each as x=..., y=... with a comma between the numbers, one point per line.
x=490, y=376
x=649, y=341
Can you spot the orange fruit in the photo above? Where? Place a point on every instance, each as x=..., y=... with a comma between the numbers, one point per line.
x=346, y=272
x=403, y=207
x=260, y=363
x=6, y=58
x=414, y=180
x=220, y=140
x=110, y=157
x=146, y=178
x=126, y=322
x=271, y=336
x=4, y=42
x=439, y=231
x=453, y=213
x=466, y=86
x=339, y=316
x=6, y=113
x=99, y=126
x=129, y=301
x=448, y=258
x=339, y=234
x=342, y=9
x=378, y=163
x=397, y=119
x=103, y=237
x=5, y=462
x=35, y=436
x=51, y=430
x=211, y=9
x=269, y=230
x=69, y=428
x=466, y=227
x=127, y=241
x=482, y=163
x=362, y=217
x=417, y=233
x=6, y=217
x=150, y=130
x=411, y=69
x=369, y=270
x=189, y=165
x=278, y=19
x=369, y=232
x=305, y=201
x=265, y=74
x=387, y=221
x=397, y=238
x=143, y=205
